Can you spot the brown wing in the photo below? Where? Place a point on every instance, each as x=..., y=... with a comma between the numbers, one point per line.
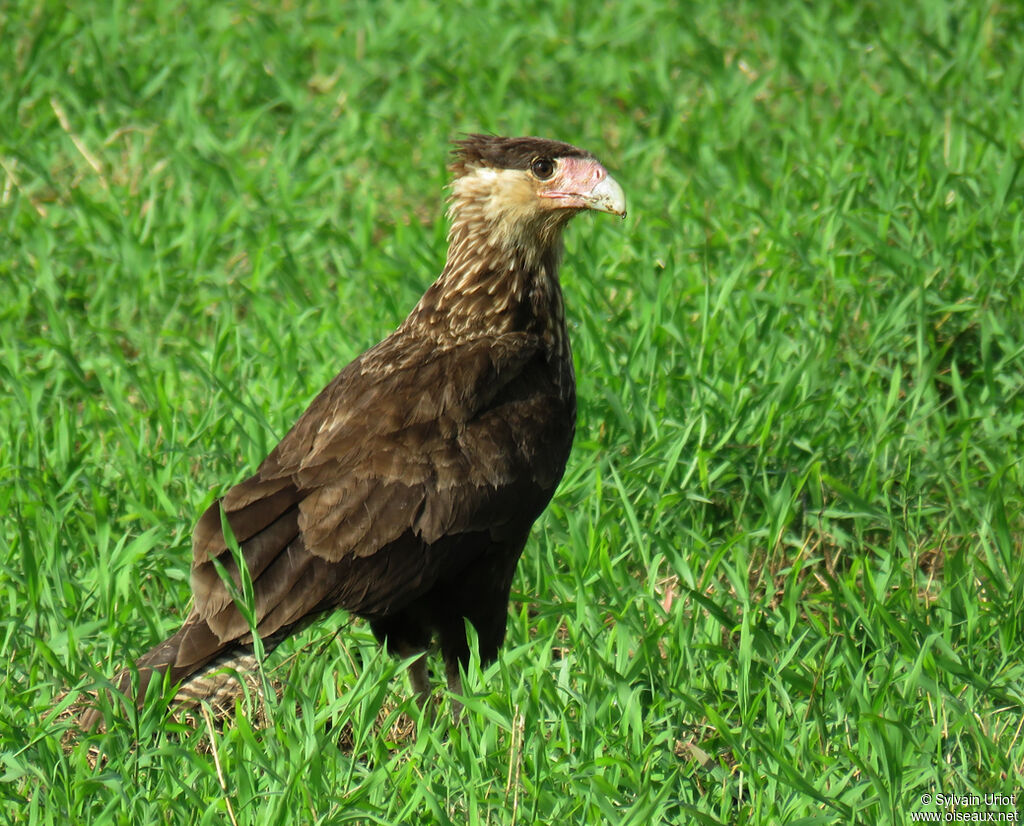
x=409, y=446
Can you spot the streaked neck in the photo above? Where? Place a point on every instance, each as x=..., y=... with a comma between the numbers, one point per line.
x=497, y=279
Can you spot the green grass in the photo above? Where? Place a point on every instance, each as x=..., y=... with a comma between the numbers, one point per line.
x=782, y=580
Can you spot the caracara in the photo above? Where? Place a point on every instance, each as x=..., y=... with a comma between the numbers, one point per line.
x=406, y=492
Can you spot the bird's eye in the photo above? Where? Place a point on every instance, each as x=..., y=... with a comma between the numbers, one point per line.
x=543, y=168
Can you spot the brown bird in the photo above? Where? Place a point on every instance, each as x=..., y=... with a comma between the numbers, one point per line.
x=406, y=491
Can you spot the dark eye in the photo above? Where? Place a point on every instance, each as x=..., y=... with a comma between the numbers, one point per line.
x=543, y=168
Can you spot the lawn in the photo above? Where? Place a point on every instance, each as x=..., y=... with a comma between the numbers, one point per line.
x=782, y=580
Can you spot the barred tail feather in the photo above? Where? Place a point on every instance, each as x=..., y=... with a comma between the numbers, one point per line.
x=218, y=678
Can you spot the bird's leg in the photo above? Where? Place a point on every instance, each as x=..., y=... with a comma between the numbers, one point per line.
x=451, y=670
x=418, y=675
x=420, y=679
x=406, y=638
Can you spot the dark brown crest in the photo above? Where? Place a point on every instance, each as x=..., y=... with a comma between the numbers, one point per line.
x=508, y=153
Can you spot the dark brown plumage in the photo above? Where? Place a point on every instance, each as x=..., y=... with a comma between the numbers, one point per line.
x=406, y=491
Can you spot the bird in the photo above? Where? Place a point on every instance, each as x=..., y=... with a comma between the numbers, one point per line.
x=406, y=491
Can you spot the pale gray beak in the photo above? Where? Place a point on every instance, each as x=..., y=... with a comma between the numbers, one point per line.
x=607, y=196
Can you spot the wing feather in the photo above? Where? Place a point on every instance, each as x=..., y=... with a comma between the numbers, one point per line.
x=410, y=446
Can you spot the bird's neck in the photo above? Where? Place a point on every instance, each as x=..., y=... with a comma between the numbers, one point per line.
x=494, y=283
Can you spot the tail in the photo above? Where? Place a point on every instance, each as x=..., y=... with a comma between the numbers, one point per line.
x=205, y=669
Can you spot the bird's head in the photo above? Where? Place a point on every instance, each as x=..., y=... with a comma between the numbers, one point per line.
x=516, y=190
x=510, y=199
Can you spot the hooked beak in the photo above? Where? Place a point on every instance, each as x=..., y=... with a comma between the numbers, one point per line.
x=606, y=196
x=582, y=183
